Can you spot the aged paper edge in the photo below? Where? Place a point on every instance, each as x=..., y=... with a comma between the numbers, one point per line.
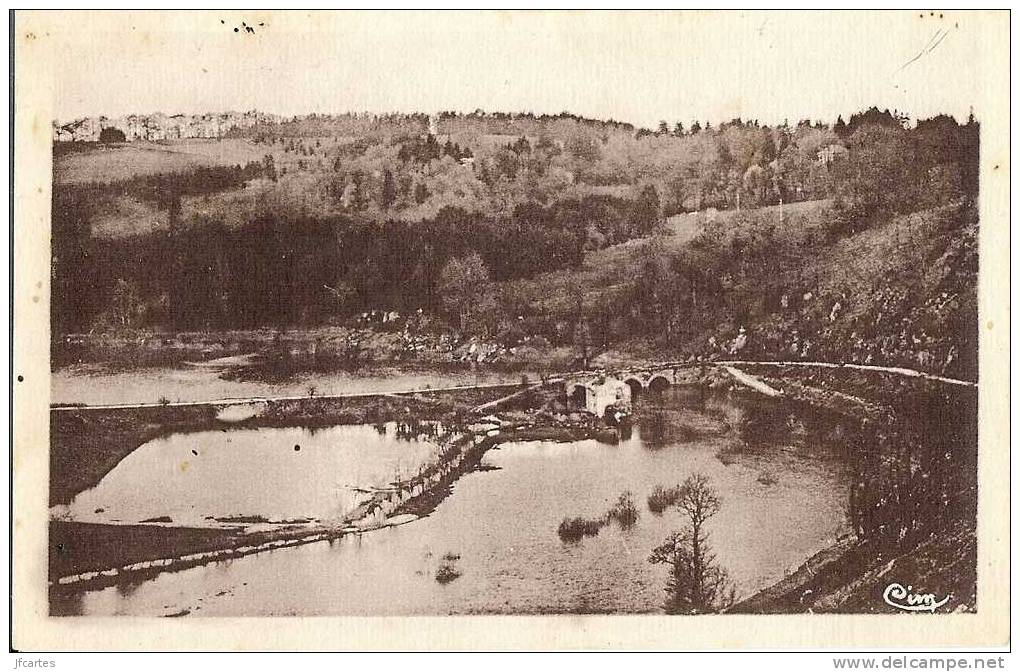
x=35, y=34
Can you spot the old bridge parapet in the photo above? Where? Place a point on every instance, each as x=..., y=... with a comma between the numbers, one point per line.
x=583, y=388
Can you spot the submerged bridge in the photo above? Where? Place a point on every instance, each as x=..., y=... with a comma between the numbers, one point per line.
x=655, y=376
x=604, y=390
x=663, y=374
x=587, y=385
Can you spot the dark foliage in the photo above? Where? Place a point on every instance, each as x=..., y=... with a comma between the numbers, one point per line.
x=575, y=529
x=284, y=271
x=111, y=135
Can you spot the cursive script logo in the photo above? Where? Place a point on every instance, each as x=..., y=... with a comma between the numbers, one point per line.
x=896, y=595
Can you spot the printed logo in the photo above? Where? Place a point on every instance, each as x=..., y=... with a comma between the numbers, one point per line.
x=896, y=595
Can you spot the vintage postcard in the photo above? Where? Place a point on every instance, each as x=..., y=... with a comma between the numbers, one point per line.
x=510, y=330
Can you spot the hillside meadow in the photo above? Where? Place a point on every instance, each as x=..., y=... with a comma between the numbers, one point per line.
x=853, y=240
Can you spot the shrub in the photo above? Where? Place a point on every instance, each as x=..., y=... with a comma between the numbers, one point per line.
x=662, y=498
x=447, y=571
x=574, y=529
x=624, y=511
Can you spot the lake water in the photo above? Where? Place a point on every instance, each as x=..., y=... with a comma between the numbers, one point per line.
x=783, y=486
x=95, y=384
x=273, y=473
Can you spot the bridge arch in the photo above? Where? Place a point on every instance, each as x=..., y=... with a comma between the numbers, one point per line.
x=577, y=394
x=636, y=386
x=659, y=383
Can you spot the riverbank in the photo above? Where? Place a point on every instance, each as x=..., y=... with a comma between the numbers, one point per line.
x=922, y=457
x=97, y=554
x=837, y=579
x=850, y=577
x=516, y=499
x=85, y=444
x=88, y=556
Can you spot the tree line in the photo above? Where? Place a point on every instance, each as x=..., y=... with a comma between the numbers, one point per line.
x=275, y=271
x=299, y=267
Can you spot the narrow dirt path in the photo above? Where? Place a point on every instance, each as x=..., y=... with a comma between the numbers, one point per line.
x=752, y=382
x=897, y=370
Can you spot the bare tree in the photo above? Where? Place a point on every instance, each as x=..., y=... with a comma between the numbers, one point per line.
x=697, y=584
x=699, y=501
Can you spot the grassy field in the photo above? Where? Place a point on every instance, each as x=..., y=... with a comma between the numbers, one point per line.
x=120, y=215
x=116, y=215
x=123, y=161
x=609, y=271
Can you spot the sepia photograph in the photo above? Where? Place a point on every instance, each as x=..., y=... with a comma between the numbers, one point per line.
x=678, y=315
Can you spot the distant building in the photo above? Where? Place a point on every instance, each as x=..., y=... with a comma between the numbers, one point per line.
x=157, y=127
x=62, y=133
x=830, y=153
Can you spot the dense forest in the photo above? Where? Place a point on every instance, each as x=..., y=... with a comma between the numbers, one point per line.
x=356, y=212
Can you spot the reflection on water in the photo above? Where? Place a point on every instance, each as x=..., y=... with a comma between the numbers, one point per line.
x=502, y=523
x=271, y=473
x=684, y=415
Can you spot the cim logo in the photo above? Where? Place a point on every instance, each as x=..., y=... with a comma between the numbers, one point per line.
x=897, y=596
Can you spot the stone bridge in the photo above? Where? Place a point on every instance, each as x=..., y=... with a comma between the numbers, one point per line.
x=585, y=385
x=595, y=390
x=655, y=377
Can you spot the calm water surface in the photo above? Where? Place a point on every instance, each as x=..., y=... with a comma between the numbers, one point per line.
x=94, y=384
x=784, y=493
x=273, y=473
